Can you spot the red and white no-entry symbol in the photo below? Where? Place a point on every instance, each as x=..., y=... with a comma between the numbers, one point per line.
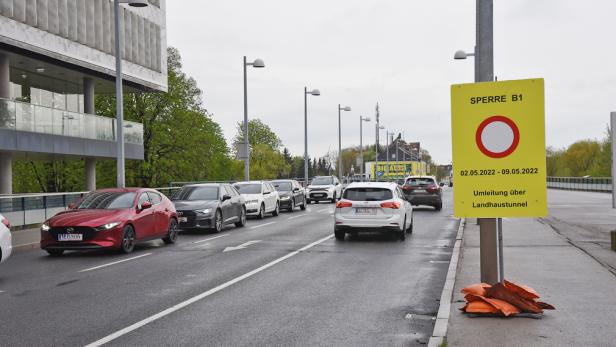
x=497, y=136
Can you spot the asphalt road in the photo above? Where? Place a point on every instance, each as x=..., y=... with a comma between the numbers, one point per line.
x=281, y=281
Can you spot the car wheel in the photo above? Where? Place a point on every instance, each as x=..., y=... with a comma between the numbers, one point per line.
x=55, y=252
x=303, y=205
x=276, y=211
x=242, y=221
x=334, y=198
x=217, y=222
x=339, y=235
x=402, y=233
x=172, y=234
x=261, y=214
x=409, y=230
x=316, y=202
x=438, y=206
x=128, y=240
x=290, y=209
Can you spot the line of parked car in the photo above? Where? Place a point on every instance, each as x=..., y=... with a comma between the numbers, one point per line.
x=120, y=218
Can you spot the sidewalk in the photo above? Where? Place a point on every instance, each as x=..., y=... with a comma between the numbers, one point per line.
x=581, y=289
x=26, y=239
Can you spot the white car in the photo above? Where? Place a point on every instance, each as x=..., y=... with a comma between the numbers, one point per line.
x=373, y=207
x=5, y=239
x=324, y=188
x=261, y=198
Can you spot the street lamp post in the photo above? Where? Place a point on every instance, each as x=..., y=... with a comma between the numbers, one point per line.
x=346, y=108
x=376, y=151
x=361, y=145
x=314, y=92
x=120, y=175
x=388, y=133
x=258, y=63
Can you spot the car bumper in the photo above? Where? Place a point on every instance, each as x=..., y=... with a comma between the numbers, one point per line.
x=321, y=195
x=197, y=223
x=101, y=239
x=424, y=199
x=252, y=209
x=394, y=222
x=7, y=247
x=286, y=203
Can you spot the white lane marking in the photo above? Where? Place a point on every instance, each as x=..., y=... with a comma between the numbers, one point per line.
x=211, y=238
x=261, y=225
x=325, y=209
x=301, y=215
x=1, y=291
x=115, y=262
x=242, y=246
x=439, y=261
x=201, y=296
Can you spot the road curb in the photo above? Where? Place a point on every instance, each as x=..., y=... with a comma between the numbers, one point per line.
x=442, y=318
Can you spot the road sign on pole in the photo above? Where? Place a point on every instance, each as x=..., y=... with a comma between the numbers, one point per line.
x=498, y=137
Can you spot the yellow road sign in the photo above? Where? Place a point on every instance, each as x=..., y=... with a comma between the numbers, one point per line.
x=498, y=139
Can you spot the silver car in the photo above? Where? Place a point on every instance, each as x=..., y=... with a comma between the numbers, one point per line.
x=373, y=207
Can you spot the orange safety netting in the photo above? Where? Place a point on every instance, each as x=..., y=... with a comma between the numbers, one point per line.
x=507, y=299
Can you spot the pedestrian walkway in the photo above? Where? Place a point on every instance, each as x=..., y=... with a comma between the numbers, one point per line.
x=26, y=239
x=580, y=287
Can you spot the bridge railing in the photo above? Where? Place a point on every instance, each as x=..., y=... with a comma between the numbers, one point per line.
x=591, y=184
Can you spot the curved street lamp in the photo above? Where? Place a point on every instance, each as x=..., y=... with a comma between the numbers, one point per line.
x=361, y=146
x=345, y=108
x=257, y=63
x=314, y=92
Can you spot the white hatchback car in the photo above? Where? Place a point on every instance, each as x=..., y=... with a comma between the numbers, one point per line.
x=5, y=239
x=261, y=198
x=373, y=207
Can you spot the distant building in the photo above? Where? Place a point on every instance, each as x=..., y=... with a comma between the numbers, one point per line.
x=55, y=55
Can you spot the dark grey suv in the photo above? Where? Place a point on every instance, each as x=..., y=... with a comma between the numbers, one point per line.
x=423, y=190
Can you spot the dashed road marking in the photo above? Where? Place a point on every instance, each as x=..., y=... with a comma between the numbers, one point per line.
x=211, y=238
x=262, y=225
x=301, y=215
x=114, y=263
x=201, y=296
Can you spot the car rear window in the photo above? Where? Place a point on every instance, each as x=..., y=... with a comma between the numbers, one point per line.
x=367, y=194
x=419, y=181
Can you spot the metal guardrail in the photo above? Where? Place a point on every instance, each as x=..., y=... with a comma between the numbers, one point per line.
x=28, y=209
x=590, y=184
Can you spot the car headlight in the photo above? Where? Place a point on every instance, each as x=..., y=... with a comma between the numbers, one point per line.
x=285, y=198
x=107, y=226
x=205, y=211
x=45, y=227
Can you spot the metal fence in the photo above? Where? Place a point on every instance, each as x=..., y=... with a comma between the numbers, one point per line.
x=29, y=209
x=591, y=184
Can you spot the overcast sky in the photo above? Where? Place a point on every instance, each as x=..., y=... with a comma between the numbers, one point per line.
x=398, y=53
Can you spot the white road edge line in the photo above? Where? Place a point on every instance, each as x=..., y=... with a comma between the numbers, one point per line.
x=301, y=215
x=201, y=296
x=115, y=262
x=325, y=209
x=261, y=225
x=444, y=310
x=211, y=238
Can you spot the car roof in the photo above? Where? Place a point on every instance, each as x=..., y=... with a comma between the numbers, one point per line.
x=205, y=185
x=250, y=182
x=419, y=176
x=285, y=180
x=388, y=185
x=120, y=190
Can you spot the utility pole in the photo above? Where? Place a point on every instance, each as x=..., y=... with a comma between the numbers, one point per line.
x=484, y=72
x=376, y=146
x=612, y=126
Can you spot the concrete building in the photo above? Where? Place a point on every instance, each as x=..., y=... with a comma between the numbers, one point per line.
x=55, y=55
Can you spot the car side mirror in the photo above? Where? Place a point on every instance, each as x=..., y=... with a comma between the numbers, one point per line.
x=337, y=183
x=71, y=206
x=265, y=193
x=296, y=189
x=226, y=197
x=145, y=205
x=441, y=184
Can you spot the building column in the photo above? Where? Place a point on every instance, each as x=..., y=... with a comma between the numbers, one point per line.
x=6, y=173
x=6, y=158
x=88, y=107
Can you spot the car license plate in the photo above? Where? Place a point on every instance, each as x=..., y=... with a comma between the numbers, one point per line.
x=420, y=190
x=365, y=210
x=183, y=219
x=70, y=237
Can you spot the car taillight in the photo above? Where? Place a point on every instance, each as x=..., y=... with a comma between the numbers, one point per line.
x=6, y=222
x=343, y=203
x=433, y=188
x=390, y=204
x=405, y=187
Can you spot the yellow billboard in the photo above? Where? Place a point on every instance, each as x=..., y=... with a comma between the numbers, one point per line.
x=498, y=139
x=394, y=169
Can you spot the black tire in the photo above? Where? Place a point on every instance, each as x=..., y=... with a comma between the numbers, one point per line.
x=128, y=240
x=217, y=227
x=290, y=209
x=242, y=221
x=402, y=233
x=172, y=233
x=438, y=206
x=261, y=214
x=339, y=235
x=276, y=211
x=409, y=230
x=55, y=252
x=303, y=205
x=334, y=198
x=316, y=202
x=308, y=201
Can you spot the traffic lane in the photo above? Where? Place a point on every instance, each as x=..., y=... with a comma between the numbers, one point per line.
x=89, y=304
x=355, y=292
x=32, y=267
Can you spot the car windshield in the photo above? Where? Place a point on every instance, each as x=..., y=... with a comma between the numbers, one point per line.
x=322, y=181
x=248, y=188
x=283, y=186
x=197, y=193
x=107, y=200
x=367, y=194
x=419, y=181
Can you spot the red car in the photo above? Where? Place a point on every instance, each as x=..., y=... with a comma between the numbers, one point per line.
x=111, y=218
